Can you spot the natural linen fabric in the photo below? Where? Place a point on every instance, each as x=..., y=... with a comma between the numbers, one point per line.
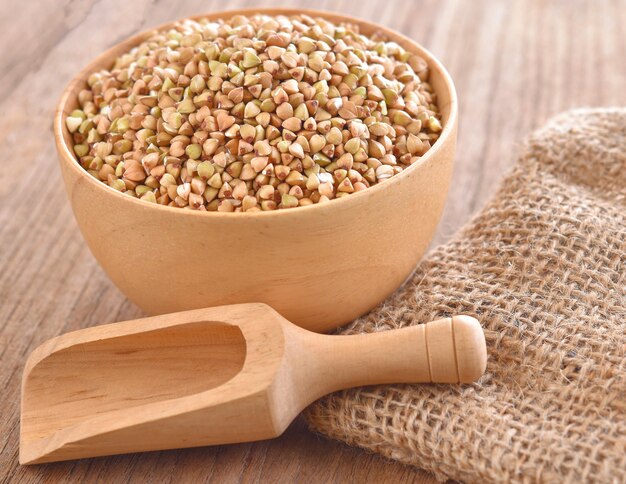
x=543, y=267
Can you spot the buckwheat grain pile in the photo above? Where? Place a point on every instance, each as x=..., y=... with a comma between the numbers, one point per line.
x=255, y=113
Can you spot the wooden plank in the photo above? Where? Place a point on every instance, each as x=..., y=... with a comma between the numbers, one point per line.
x=515, y=64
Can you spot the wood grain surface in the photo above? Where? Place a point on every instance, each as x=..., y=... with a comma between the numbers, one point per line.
x=514, y=63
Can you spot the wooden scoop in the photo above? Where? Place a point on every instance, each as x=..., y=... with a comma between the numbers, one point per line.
x=215, y=376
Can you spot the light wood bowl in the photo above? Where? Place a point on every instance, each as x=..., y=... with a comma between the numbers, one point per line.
x=320, y=266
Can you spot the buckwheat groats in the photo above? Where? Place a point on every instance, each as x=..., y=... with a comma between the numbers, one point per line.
x=255, y=113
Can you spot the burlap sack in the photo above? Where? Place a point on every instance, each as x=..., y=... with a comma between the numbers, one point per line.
x=543, y=267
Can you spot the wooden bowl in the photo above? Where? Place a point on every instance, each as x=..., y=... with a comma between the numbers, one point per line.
x=320, y=266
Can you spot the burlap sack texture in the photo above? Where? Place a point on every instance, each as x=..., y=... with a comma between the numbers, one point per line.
x=543, y=267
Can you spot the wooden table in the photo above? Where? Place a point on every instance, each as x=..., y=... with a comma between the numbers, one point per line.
x=514, y=63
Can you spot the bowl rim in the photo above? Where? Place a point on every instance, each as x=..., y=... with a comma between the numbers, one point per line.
x=67, y=156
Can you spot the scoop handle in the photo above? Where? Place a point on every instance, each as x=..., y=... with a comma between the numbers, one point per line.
x=449, y=350
x=456, y=349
